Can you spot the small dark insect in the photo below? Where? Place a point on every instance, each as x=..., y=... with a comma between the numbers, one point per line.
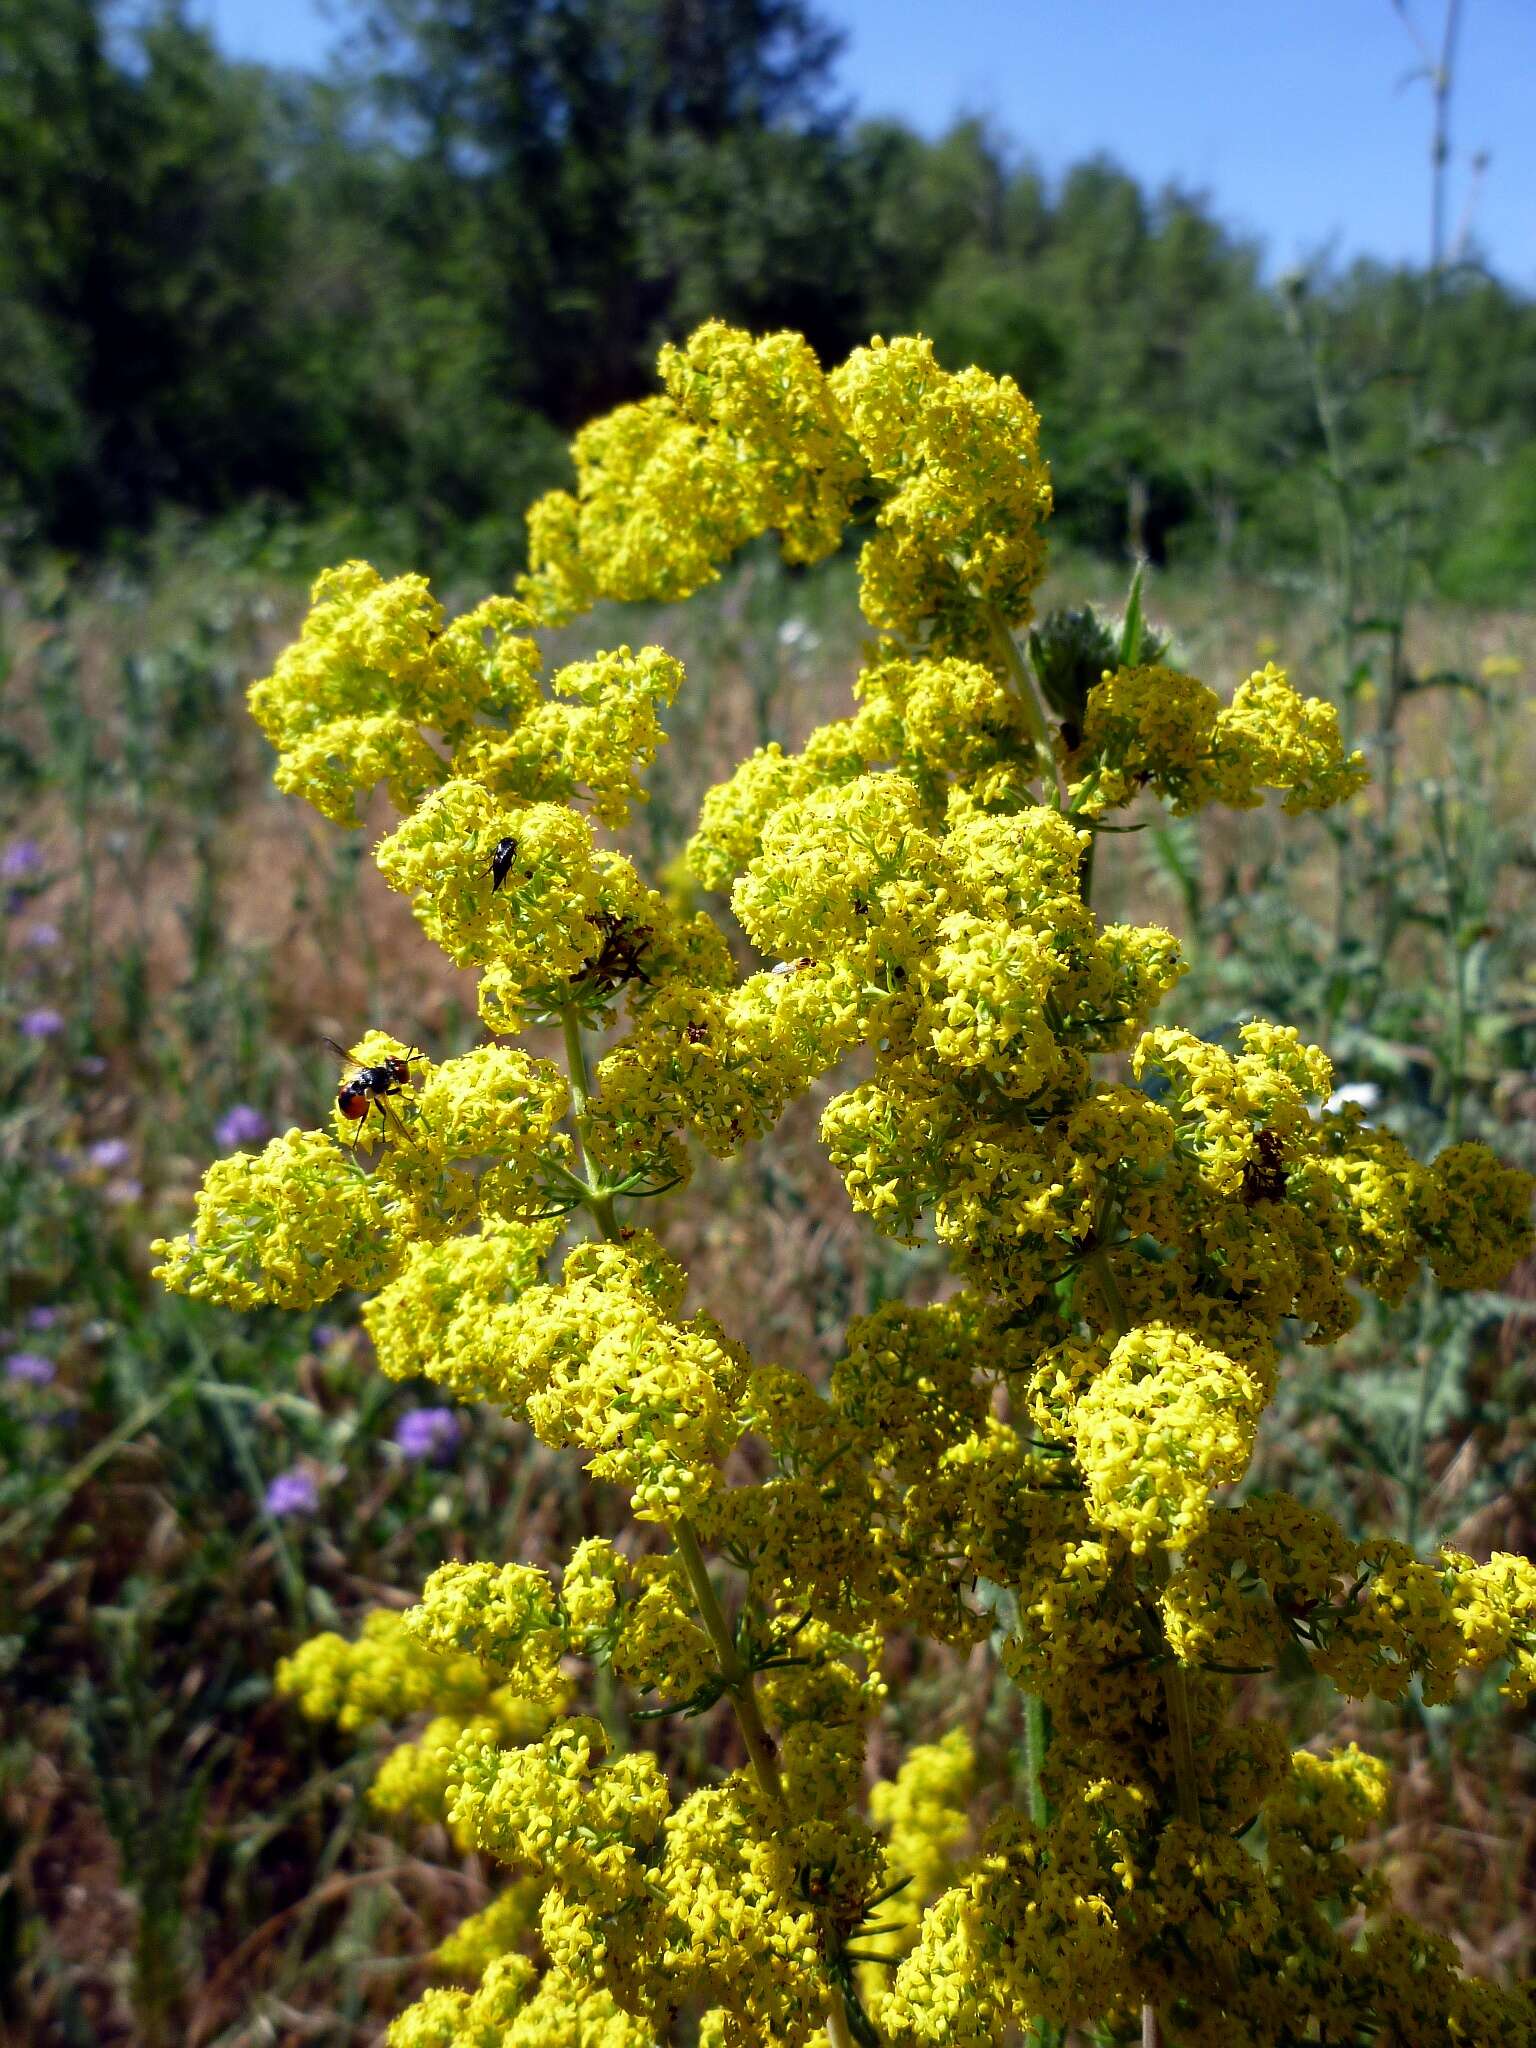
x=1264, y=1177
x=617, y=959
x=1294, y=1607
x=367, y=1088
x=503, y=853
x=696, y=1034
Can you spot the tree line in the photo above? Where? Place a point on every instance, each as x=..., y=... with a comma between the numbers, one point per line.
x=394, y=289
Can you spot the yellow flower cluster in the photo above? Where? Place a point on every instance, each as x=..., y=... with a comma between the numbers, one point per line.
x=474, y=1137
x=601, y=1362
x=376, y=676
x=590, y=742
x=445, y=1311
x=385, y=1675
x=1270, y=1574
x=745, y=438
x=1154, y=728
x=1040, y=1461
x=1164, y=1423
x=752, y=436
x=293, y=1225
x=959, y=545
x=1083, y=1918
x=504, y=1616
x=598, y=1360
x=515, y=2008
x=388, y=1676
x=924, y=1813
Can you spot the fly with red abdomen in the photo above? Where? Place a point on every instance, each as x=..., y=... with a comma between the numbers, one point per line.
x=369, y=1085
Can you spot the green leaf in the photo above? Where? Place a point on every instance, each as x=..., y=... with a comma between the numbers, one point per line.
x=1130, y=632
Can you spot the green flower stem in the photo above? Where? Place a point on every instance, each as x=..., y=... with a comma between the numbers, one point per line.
x=839, y=2032
x=1180, y=1729
x=738, y=1679
x=1034, y=1758
x=1085, y=870
x=1114, y=1300
x=54, y=1493
x=1414, y=1463
x=1013, y=662
x=740, y=1686
x=1040, y=2033
x=581, y=1094
x=1458, y=918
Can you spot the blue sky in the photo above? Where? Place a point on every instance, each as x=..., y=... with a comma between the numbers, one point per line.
x=1294, y=115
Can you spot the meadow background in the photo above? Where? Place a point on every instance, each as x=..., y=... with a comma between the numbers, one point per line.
x=255, y=321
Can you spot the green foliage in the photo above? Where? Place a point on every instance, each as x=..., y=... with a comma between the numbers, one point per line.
x=383, y=294
x=1490, y=558
x=143, y=232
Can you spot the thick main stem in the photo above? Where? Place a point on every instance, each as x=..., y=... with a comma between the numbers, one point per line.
x=1181, y=1734
x=1114, y=1300
x=742, y=1693
x=839, y=2033
x=1013, y=662
x=740, y=1686
x=1341, y=475
x=1181, y=1738
x=1418, y=428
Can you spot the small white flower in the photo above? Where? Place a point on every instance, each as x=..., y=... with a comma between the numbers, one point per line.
x=1364, y=1093
x=797, y=633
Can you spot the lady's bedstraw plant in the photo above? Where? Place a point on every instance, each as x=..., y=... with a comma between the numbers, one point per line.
x=1130, y=1214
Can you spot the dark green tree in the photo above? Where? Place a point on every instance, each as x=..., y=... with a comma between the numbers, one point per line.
x=144, y=279
x=597, y=171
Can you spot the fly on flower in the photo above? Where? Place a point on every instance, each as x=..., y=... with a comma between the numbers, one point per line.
x=1264, y=1177
x=617, y=960
x=503, y=853
x=368, y=1087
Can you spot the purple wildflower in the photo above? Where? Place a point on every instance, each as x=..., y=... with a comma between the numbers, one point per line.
x=42, y=1318
x=42, y=938
x=241, y=1125
x=292, y=1493
x=430, y=1433
x=323, y=1336
x=21, y=860
x=109, y=1153
x=29, y=1369
x=43, y=1023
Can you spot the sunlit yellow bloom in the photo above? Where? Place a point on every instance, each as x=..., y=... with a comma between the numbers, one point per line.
x=1030, y=1464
